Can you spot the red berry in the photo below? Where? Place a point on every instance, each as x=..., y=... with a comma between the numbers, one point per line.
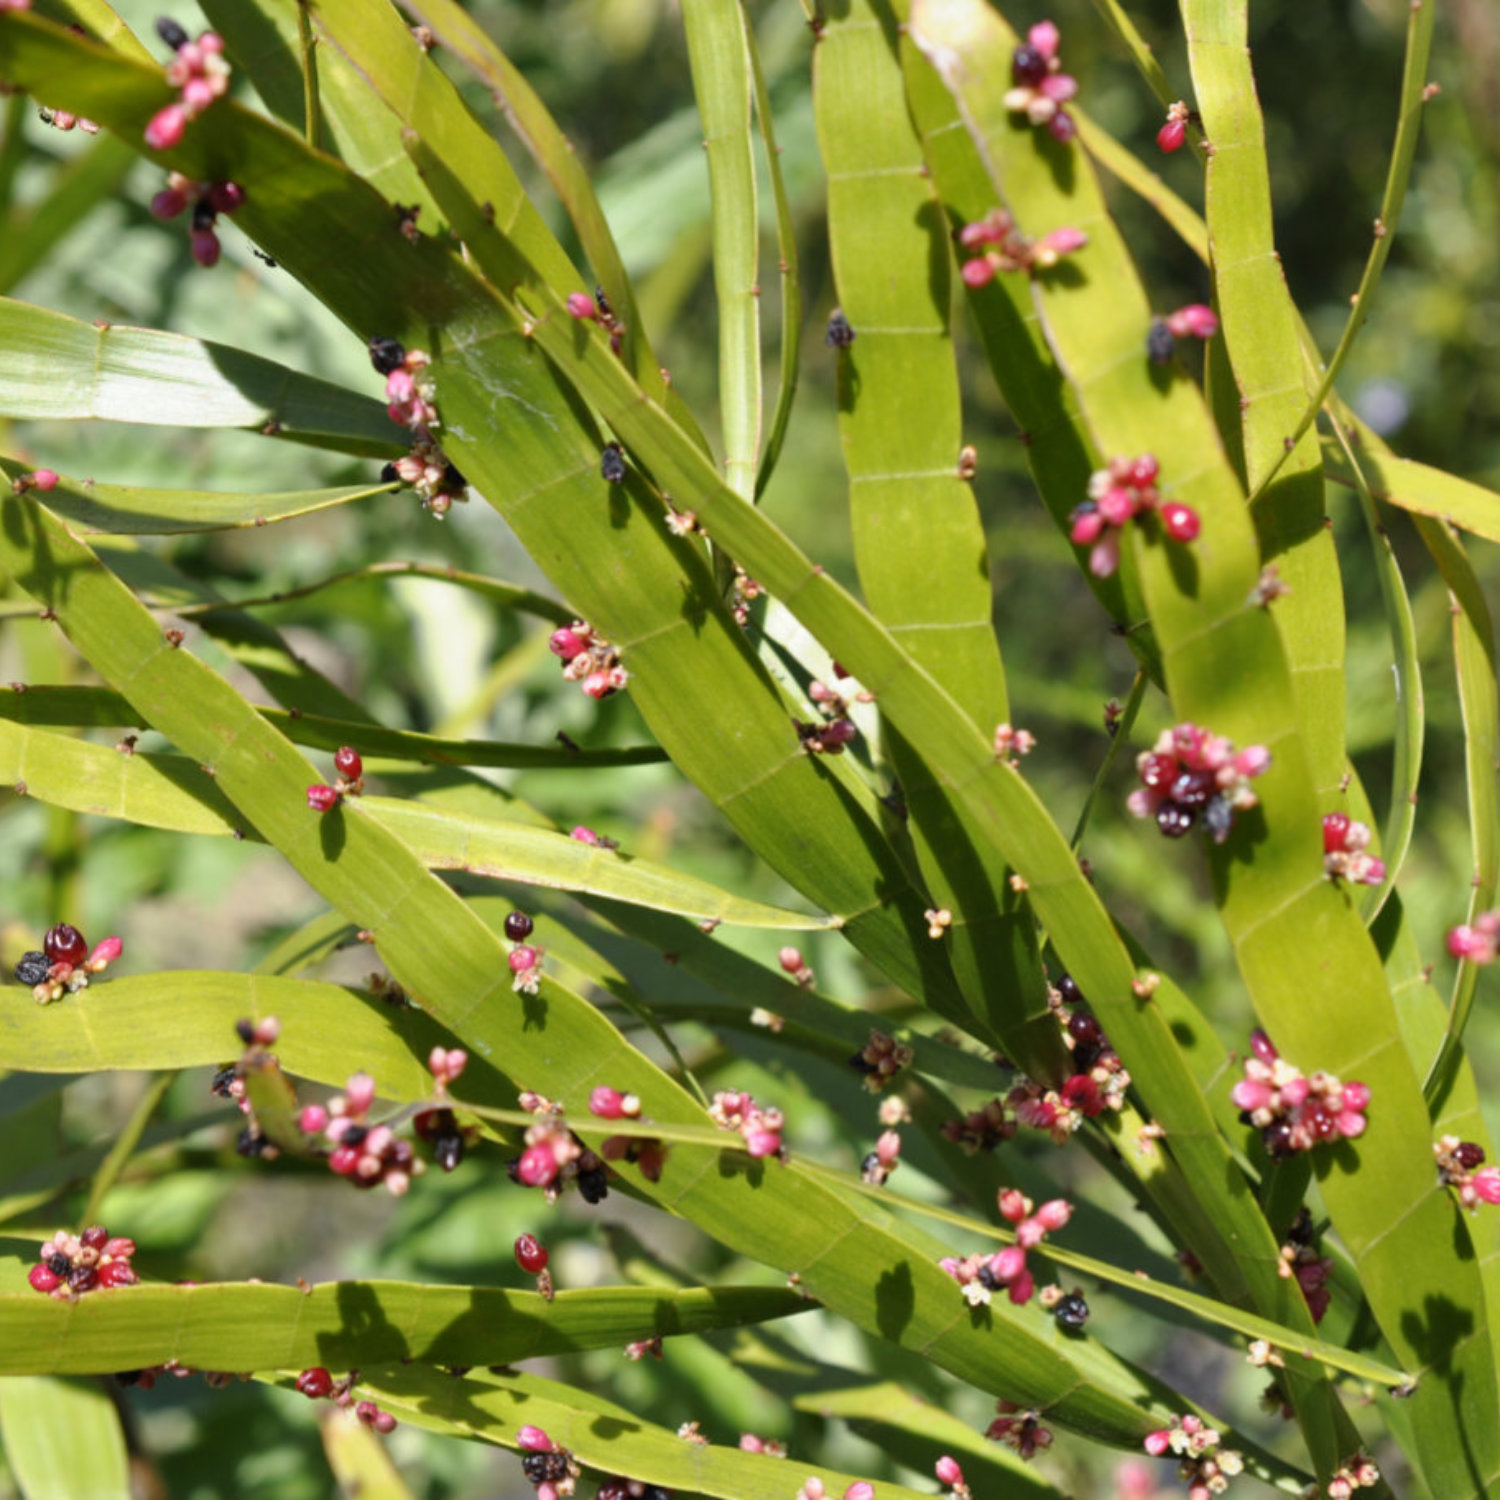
x=44, y=1279
x=205, y=246
x=1027, y=66
x=344, y=1161
x=96, y=1237
x=1335, y=831
x=65, y=945
x=225, y=197
x=1144, y=471
x=168, y=203
x=1172, y=136
x=322, y=798
x=117, y=1273
x=566, y=643
x=315, y=1383
x=531, y=1254
x=1159, y=771
x=518, y=926
x=347, y=762
x=523, y=958
x=1181, y=521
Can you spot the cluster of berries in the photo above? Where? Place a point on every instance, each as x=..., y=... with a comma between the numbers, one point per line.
x=880, y=1060
x=72, y=1264
x=552, y=1157
x=1206, y=1466
x=318, y=1385
x=1300, y=1260
x=64, y=964
x=350, y=781
x=147, y=1378
x=1461, y=1166
x=876, y=1168
x=981, y=1129
x=550, y=1468
x=596, y=309
x=1098, y=1083
x=1195, y=321
x=1001, y=246
x=1019, y=1429
x=1345, y=842
x=837, y=729
x=611, y=1104
x=980, y=1275
x=524, y=959
x=439, y=1126
x=1118, y=495
x=199, y=72
x=364, y=1153
x=1041, y=88
x=1011, y=744
x=1477, y=944
x=208, y=200
x=588, y=659
x=1294, y=1112
x=1190, y=773
x=743, y=592
x=761, y=1128
x=229, y=1082
x=411, y=400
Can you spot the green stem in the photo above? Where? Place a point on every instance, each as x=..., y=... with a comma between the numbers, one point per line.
x=311, y=112
x=1120, y=737
x=125, y=1143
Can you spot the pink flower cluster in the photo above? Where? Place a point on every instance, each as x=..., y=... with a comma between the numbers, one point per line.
x=553, y=1158
x=1477, y=944
x=364, y=1153
x=1206, y=1466
x=72, y=1264
x=760, y=1127
x=549, y=1467
x=1461, y=1166
x=588, y=659
x=979, y=1275
x=1019, y=1429
x=1345, y=841
x=1190, y=772
x=1119, y=495
x=525, y=961
x=1002, y=247
x=208, y=200
x=317, y=1384
x=813, y=1488
x=1357, y=1473
x=411, y=400
x=1294, y=1112
x=65, y=963
x=769, y=1447
x=61, y=119
x=199, y=72
x=1041, y=88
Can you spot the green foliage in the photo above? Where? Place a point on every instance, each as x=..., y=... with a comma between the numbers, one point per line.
x=185, y=617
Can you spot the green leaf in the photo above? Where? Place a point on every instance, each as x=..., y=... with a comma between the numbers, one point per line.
x=63, y=1440
x=1415, y=487
x=59, y=369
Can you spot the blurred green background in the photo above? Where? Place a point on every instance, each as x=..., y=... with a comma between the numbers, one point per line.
x=77, y=237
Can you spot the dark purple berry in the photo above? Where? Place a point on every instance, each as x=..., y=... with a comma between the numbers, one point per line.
x=388, y=475
x=1194, y=788
x=83, y=1278
x=544, y=1468
x=1160, y=345
x=59, y=1264
x=448, y=1150
x=518, y=926
x=33, y=969
x=987, y=1278
x=387, y=355
x=245, y=1031
x=1175, y=820
x=839, y=334
x=593, y=1185
x=612, y=463
x=1027, y=66
x=1072, y=1311
x=171, y=33
x=1469, y=1154
x=1067, y=987
x=1083, y=1028
x=354, y=1135
x=1277, y=1139
x=1159, y=771
x=203, y=214
x=65, y=945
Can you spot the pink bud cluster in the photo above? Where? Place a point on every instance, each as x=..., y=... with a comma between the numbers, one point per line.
x=411, y=398
x=350, y=781
x=318, y=1385
x=768, y=1447
x=813, y=1488
x=644, y=1349
x=1173, y=135
x=440, y=1127
x=761, y=1127
x=611, y=1104
x=1019, y=1429
x=61, y=119
x=364, y=1153
x=587, y=836
x=883, y=1160
x=1119, y=495
x=66, y=963
x=793, y=963
x=1294, y=1112
x=525, y=961
x=1012, y=743
x=1196, y=321
x=1001, y=246
x=72, y=1264
x=1477, y=944
x=979, y=1275
x=1461, y=1166
x=39, y=479
x=588, y=659
x=949, y=1472
x=208, y=200
x=553, y=1158
x=1357, y=1473
x=200, y=73
x=1205, y=1465
x=1041, y=88
x=1345, y=841
x=596, y=309
x=880, y=1060
x=1190, y=773
x=550, y=1468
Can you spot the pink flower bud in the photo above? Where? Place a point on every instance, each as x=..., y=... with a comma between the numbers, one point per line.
x=1261, y=1046
x=1252, y=761
x=522, y=958
x=1117, y=505
x=888, y=1147
x=1486, y=1184
x=360, y=1093
x=168, y=203
x=1064, y=241
x=117, y=1273
x=948, y=1471
x=861, y=1489
x=1356, y=1096
x=1249, y=1095
x=566, y=643
x=1022, y=1289
x=166, y=127
x=43, y=479
x=534, y=1440
x=584, y=835
x=1087, y=524
x=840, y=732
x=1172, y=136
x=1013, y=1205
x=1181, y=521
x=106, y=952
x=1045, y=37
x=1197, y=320
x=611, y=1104
x=763, y=1142
x=1158, y=1443
x=1060, y=87
x=313, y=1120
x=1008, y=1263
x=1465, y=942
x=581, y=305
x=1104, y=560
x=197, y=95
x=1295, y=1092
x=1030, y=1233
x=322, y=799
x=790, y=960
x=598, y=685
x=1054, y=1214
x=120, y=1246
x=978, y=272
x=344, y=1161
x=537, y=1167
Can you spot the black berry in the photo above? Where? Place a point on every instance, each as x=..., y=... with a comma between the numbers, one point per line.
x=59, y=1264
x=65, y=945
x=33, y=969
x=1174, y=820
x=1277, y=1139
x=1072, y=1311
x=1160, y=345
x=1083, y=1028
x=593, y=1185
x=171, y=33
x=544, y=1468
x=387, y=355
x=448, y=1150
x=1067, y=987
x=453, y=480
x=1027, y=65
x=518, y=926
x=839, y=334
x=1469, y=1155
x=388, y=475
x=83, y=1278
x=612, y=463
